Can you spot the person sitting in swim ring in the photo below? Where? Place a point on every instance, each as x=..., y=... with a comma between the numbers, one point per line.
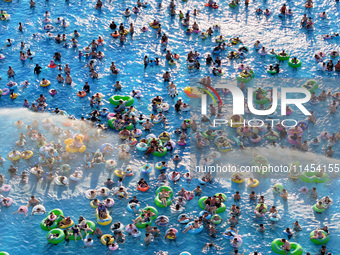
x=317, y=234
x=327, y=201
x=142, y=183
x=259, y=11
x=154, y=23
x=121, y=193
x=238, y=177
x=163, y=196
x=282, y=53
x=196, y=225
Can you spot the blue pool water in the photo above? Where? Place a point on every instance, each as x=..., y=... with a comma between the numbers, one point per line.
x=23, y=235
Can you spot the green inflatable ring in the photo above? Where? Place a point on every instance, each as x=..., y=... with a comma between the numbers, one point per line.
x=216, y=222
x=318, y=209
x=278, y=188
x=310, y=177
x=271, y=71
x=283, y=58
x=144, y=224
x=263, y=210
x=201, y=202
x=209, y=137
x=264, y=101
x=110, y=123
x=128, y=99
x=311, y=85
x=158, y=202
x=295, y=250
x=4, y=253
x=160, y=154
x=272, y=138
x=260, y=161
x=90, y=224
x=157, y=153
x=247, y=78
x=319, y=241
x=57, y=240
x=223, y=207
x=296, y=65
x=57, y=212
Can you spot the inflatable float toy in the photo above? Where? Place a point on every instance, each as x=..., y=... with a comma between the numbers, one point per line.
x=245, y=76
x=58, y=236
x=154, y=26
x=321, y=241
x=274, y=217
x=194, y=230
x=276, y=246
x=146, y=169
x=162, y=224
x=115, y=100
x=311, y=177
x=294, y=65
x=278, y=188
x=253, y=183
x=14, y=156
x=221, y=209
x=192, y=92
x=233, y=123
x=311, y=85
x=104, y=221
x=283, y=57
x=152, y=218
x=241, y=177
x=264, y=100
x=75, y=144
x=56, y=218
x=157, y=200
x=229, y=234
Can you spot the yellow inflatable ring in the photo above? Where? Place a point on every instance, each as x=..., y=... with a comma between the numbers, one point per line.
x=14, y=96
x=66, y=226
x=104, y=237
x=237, y=181
x=125, y=32
x=119, y=173
x=255, y=183
x=45, y=85
x=29, y=155
x=236, y=125
x=155, y=27
x=10, y=156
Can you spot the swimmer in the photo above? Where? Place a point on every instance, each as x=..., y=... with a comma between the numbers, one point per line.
x=21, y=211
x=32, y=202
x=261, y=228
x=208, y=246
x=284, y=194
x=296, y=226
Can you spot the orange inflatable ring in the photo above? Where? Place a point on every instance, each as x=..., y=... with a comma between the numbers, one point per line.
x=81, y=94
x=115, y=35
x=143, y=189
x=50, y=66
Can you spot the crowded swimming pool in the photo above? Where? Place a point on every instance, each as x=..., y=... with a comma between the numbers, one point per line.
x=133, y=71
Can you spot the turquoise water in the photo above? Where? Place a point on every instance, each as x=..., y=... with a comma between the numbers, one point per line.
x=25, y=235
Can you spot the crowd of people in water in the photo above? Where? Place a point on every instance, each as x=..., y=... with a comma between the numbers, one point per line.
x=53, y=163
